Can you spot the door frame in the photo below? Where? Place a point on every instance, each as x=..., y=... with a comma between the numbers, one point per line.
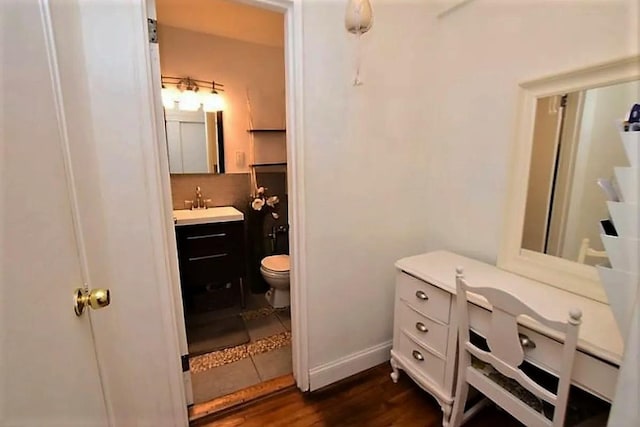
x=292, y=10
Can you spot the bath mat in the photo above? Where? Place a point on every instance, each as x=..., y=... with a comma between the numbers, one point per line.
x=216, y=334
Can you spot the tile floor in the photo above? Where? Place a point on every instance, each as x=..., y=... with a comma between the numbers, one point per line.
x=266, y=356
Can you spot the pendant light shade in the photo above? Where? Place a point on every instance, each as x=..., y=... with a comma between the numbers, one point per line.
x=212, y=102
x=169, y=97
x=359, y=16
x=189, y=100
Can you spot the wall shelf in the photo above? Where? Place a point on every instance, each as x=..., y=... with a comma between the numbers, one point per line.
x=256, y=165
x=265, y=130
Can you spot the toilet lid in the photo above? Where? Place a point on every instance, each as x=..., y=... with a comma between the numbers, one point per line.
x=276, y=263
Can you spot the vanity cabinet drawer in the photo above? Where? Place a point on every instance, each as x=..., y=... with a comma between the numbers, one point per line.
x=426, y=331
x=210, y=239
x=211, y=260
x=212, y=297
x=211, y=269
x=424, y=297
x=421, y=360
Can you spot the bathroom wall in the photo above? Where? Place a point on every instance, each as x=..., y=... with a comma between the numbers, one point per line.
x=243, y=67
x=223, y=190
x=226, y=18
x=479, y=55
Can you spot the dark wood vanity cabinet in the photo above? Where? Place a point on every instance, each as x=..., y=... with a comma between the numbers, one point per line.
x=212, y=267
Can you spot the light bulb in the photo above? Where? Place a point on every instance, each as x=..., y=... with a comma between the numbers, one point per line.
x=169, y=97
x=212, y=102
x=189, y=100
x=359, y=16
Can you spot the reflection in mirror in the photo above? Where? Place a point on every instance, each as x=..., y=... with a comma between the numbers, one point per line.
x=575, y=143
x=195, y=141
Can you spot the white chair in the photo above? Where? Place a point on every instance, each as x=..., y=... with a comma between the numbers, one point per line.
x=506, y=355
x=586, y=251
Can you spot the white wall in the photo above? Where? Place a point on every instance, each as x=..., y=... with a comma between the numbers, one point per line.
x=365, y=171
x=416, y=159
x=481, y=53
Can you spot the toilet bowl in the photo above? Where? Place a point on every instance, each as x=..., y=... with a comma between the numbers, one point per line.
x=275, y=270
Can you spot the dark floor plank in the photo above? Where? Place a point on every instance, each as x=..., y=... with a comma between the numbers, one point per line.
x=368, y=399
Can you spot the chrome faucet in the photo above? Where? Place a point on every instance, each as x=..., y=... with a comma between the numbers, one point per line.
x=199, y=202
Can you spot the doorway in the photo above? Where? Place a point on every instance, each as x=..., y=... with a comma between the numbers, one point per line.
x=291, y=323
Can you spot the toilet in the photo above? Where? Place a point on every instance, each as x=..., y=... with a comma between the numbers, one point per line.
x=275, y=270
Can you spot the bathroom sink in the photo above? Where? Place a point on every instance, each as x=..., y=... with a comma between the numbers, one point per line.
x=207, y=216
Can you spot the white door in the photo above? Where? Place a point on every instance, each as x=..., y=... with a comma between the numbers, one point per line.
x=82, y=202
x=48, y=361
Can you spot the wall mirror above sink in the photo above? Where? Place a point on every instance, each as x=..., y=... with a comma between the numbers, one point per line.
x=194, y=126
x=566, y=141
x=195, y=141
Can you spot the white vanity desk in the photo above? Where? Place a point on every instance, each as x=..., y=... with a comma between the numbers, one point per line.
x=424, y=343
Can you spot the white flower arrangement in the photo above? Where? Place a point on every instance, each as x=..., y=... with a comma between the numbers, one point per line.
x=259, y=202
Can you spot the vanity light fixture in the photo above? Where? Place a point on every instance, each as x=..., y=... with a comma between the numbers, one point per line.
x=186, y=92
x=213, y=101
x=169, y=97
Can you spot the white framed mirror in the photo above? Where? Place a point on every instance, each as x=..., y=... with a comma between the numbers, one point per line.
x=565, y=140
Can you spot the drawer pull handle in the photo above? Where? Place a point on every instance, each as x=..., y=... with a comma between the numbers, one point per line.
x=421, y=295
x=526, y=342
x=200, y=258
x=206, y=236
x=421, y=327
x=418, y=356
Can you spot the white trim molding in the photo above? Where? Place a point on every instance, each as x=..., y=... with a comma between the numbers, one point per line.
x=349, y=365
x=293, y=54
x=292, y=10
x=562, y=273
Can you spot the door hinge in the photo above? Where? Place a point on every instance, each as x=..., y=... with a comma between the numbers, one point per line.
x=563, y=100
x=185, y=362
x=153, y=30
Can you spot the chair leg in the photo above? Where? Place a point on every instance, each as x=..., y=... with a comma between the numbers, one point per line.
x=457, y=414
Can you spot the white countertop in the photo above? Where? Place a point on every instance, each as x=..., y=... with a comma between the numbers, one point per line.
x=207, y=216
x=599, y=334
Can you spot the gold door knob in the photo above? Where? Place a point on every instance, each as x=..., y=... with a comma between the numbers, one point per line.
x=96, y=298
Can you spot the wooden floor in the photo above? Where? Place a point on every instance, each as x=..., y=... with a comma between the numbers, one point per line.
x=369, y=399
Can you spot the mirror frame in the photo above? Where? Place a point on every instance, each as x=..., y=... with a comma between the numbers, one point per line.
x=565, y=274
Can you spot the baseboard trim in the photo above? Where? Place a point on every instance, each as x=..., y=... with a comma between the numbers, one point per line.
x=344, y=367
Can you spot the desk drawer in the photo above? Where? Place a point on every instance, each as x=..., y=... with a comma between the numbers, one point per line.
x=426, y=331
x=589, y=372
x=424, y=297
x=422, y=360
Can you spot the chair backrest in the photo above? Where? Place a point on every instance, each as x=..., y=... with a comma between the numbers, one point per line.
x=506, y=352
x=586, y=251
